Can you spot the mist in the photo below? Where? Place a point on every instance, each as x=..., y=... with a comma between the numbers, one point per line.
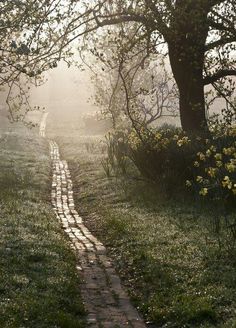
x=66, y=93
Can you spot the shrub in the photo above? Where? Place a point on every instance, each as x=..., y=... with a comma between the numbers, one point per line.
x=171, y=158
x=164, y=156
x=116, y=161
x=215, y=168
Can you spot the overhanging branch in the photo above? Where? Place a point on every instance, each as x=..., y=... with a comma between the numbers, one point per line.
x=220, y=42
x=219, y=75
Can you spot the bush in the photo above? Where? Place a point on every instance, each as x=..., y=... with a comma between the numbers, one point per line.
x=215, y=169
x=172, y=159
x=116, y=161
x=164, y=156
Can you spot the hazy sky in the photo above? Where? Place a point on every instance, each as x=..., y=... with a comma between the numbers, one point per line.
x=66, y=89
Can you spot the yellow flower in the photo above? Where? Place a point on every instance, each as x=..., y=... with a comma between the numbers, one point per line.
x=219, y=163
x=218, y=157
x=201, y=156
x=186, y=140
x=158, y=136
x=212, y=172
x=230, y=167
x=180, y=142
x=203, y=192
x=226, y=183
x=165, y=142
x=183, y=141
x=228, y=151
x=199, y=178
x=232, y=131
x=188, y=183
x=213, y=148
x=208, y=153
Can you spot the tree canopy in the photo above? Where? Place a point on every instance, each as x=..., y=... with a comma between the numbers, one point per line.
x=198, y=36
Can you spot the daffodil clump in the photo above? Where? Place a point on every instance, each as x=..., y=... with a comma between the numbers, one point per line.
x=207, y=166
x=158, y=139
x=215, y=168
x=161, y=154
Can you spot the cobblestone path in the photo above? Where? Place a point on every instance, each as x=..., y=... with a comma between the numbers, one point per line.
x=105, y=300
x=42, y=126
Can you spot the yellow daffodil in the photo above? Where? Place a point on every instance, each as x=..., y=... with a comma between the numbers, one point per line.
x=230, y=167
x=199, y=178
x=188, y=183
x=201, y=156
x=203, y=192
x=212, y=172
x=226, y=183
x=213, y=148
x=208, y=153
x=218, y=157
x=219, y=163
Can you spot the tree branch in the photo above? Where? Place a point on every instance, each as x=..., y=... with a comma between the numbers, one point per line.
x=220, y=42
x=218, y=75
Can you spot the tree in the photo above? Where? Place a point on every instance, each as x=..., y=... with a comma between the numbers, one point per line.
x=199, y=36
x=33, y=39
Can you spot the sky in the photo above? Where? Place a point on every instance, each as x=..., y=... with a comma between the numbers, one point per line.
x=67, y=90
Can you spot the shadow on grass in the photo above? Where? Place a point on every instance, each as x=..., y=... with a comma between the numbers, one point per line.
x=39, y=285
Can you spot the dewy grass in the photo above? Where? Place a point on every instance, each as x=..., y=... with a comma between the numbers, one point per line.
x=39, y=286
x=165, y=250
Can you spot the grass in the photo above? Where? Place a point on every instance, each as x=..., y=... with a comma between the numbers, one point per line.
x=166, y=251
x=39, y=285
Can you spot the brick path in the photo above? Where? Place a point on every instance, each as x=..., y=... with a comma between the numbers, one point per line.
x=105, y=300
x=42, y=125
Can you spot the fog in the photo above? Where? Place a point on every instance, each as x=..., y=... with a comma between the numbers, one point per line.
x=67, y=92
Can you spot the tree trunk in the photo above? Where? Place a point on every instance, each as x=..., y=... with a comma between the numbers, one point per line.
x=188, y=73
x=186, y=42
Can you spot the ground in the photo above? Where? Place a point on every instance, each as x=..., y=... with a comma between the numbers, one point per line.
x=167, y=252
x=38, y=281
x=177, y=269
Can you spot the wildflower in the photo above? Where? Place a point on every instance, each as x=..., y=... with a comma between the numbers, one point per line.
x=218, y=157
x=230, y=167
x=158, y=136
x=232, y=131
x=201, y=156
x=180, y=142
x=212, y=172
x=175, y=137
x=165, y=142
x=188, y=183
x=196, y=164
x=213, y=148
x=199, y=178
x=228, y=151
x=203, y=192
x=226, y=183
x=219, y=163
x=208, y=153
x=186, y=140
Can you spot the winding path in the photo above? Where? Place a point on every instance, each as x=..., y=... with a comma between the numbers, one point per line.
x=105, y=300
